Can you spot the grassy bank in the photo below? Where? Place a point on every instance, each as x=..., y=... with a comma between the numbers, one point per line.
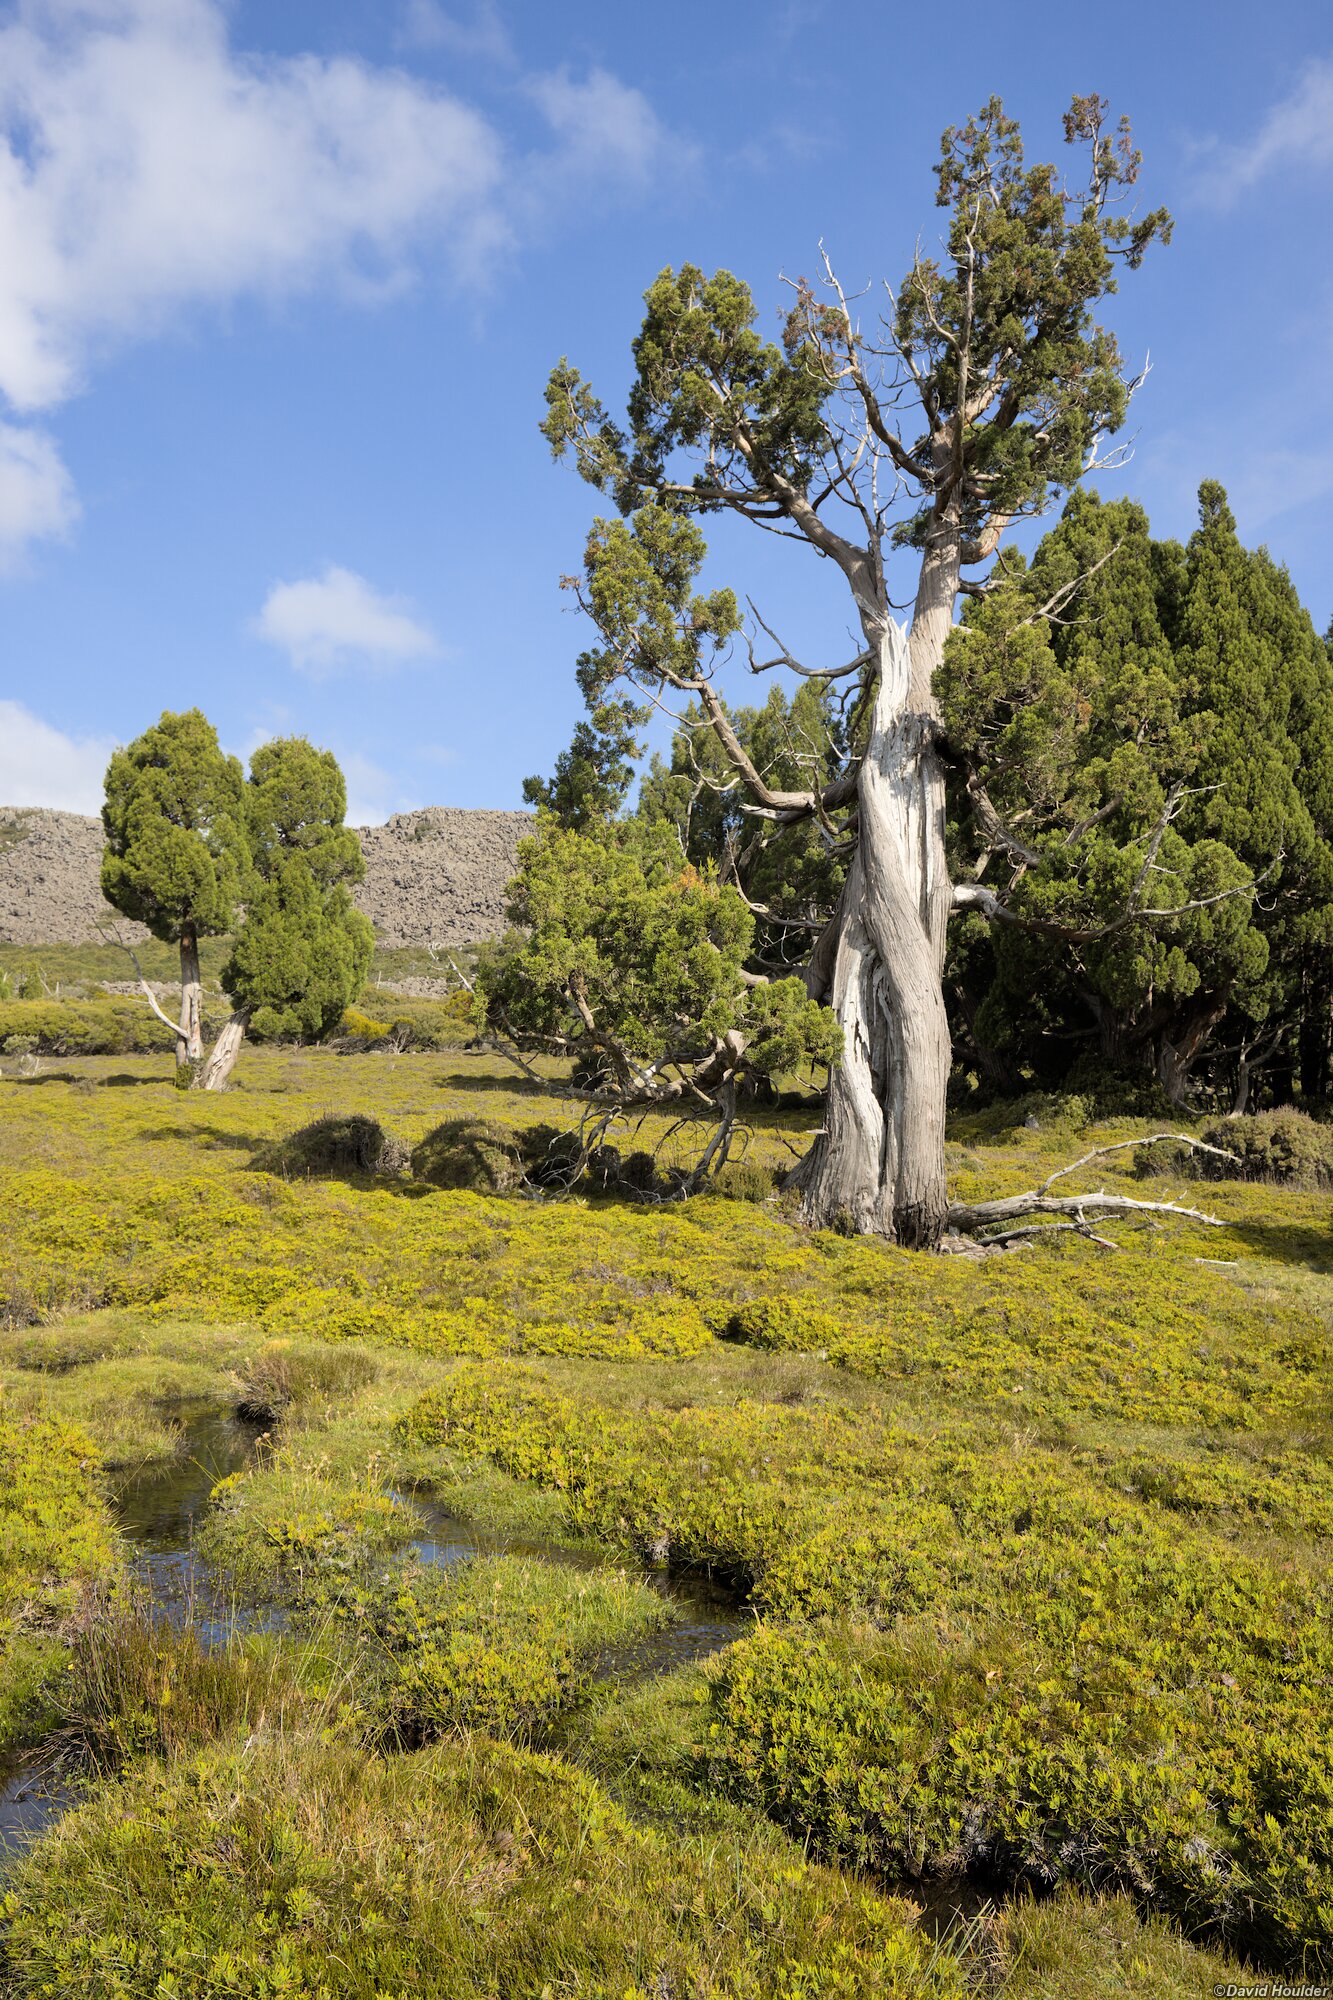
x=1031, y=1553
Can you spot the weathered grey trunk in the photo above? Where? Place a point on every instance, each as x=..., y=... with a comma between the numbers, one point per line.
x=877, y=1166
x=222, y=1058
x=1175, y=1060
x=190, y=1044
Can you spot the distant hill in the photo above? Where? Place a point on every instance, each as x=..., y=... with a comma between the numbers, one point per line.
x=436, y=876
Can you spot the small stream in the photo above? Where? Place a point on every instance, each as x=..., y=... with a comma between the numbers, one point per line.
x=157, y=1510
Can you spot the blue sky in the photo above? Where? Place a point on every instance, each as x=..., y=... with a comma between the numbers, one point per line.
x=280, y=285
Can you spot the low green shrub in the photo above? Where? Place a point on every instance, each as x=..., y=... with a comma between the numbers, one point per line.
x=109, y=1027
x=1044, y=1669
x=335, y=1144
x=294, y=1527
x=496, y=1643
x=1157, y=1764
x=1006, y=1120
x=55, y=1534
x=1166, y=1158
x=1285, y=1146
x=744, y=1180
x=1111, y=1092
x=56, y=1541
x=789, y=1321
x=549, y=1155
x=422, y=1024
x=472, y=1153
x=414, y=1024
x=357, y=1031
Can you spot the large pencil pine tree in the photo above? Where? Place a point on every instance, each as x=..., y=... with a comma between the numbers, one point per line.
x=984, y=391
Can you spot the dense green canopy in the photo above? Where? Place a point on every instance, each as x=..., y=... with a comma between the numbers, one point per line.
x=1165, y=737
x=302, y=954
x=177, y=844
x=1139, y=736
x=295, y=803
x=629, y=959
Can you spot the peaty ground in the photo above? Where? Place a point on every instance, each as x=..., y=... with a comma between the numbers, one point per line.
x=1031, y=1685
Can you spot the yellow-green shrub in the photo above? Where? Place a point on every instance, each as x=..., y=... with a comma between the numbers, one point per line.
x=110, y=1027
x=55, y=1541
x=362, y=1027
x=496, y=1643
x=54, y=1530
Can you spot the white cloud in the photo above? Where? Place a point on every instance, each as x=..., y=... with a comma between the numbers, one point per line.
x=1298, y=132
x=145, y=165
x=39, y=766
x=37, y=497
x=372, y=793
x=148, y=168
x=427, y=25
x=336, y=619
x=609, y=140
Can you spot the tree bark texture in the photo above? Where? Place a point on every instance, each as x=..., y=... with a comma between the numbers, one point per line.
x=222, y=1057
x=190, y=1047
x=1176, y=1060
x=877, y=1166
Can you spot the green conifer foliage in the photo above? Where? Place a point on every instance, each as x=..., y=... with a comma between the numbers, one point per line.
x=629, y=959
x=296, y=802
x=1166, y=738
x=593, y=776
x=303, y=951
x=301, y=956
x=789, y=874
x=177, y=847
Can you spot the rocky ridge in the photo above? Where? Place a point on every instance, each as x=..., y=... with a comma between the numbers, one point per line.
x=436, y=876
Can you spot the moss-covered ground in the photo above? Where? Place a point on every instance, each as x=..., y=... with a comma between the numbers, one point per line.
x=1032, y=1685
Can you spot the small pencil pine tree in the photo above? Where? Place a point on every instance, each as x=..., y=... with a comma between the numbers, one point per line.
x=177, y=848
x=302, y=954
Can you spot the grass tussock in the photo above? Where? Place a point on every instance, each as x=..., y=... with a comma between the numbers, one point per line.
x=517, y=1873
x=136, y=1686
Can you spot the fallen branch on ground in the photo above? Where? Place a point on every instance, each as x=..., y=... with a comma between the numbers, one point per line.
x=1077, y=1211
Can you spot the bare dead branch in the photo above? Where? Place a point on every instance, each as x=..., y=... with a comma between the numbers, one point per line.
x=1076, y=1210
x=112, y=936
x=784, y=658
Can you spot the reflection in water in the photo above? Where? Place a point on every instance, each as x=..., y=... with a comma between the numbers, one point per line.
x=33, y=1792
x=157, y=1510
x=160, y=1505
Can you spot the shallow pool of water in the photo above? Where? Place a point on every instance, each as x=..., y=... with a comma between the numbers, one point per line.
x=33, y=1793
